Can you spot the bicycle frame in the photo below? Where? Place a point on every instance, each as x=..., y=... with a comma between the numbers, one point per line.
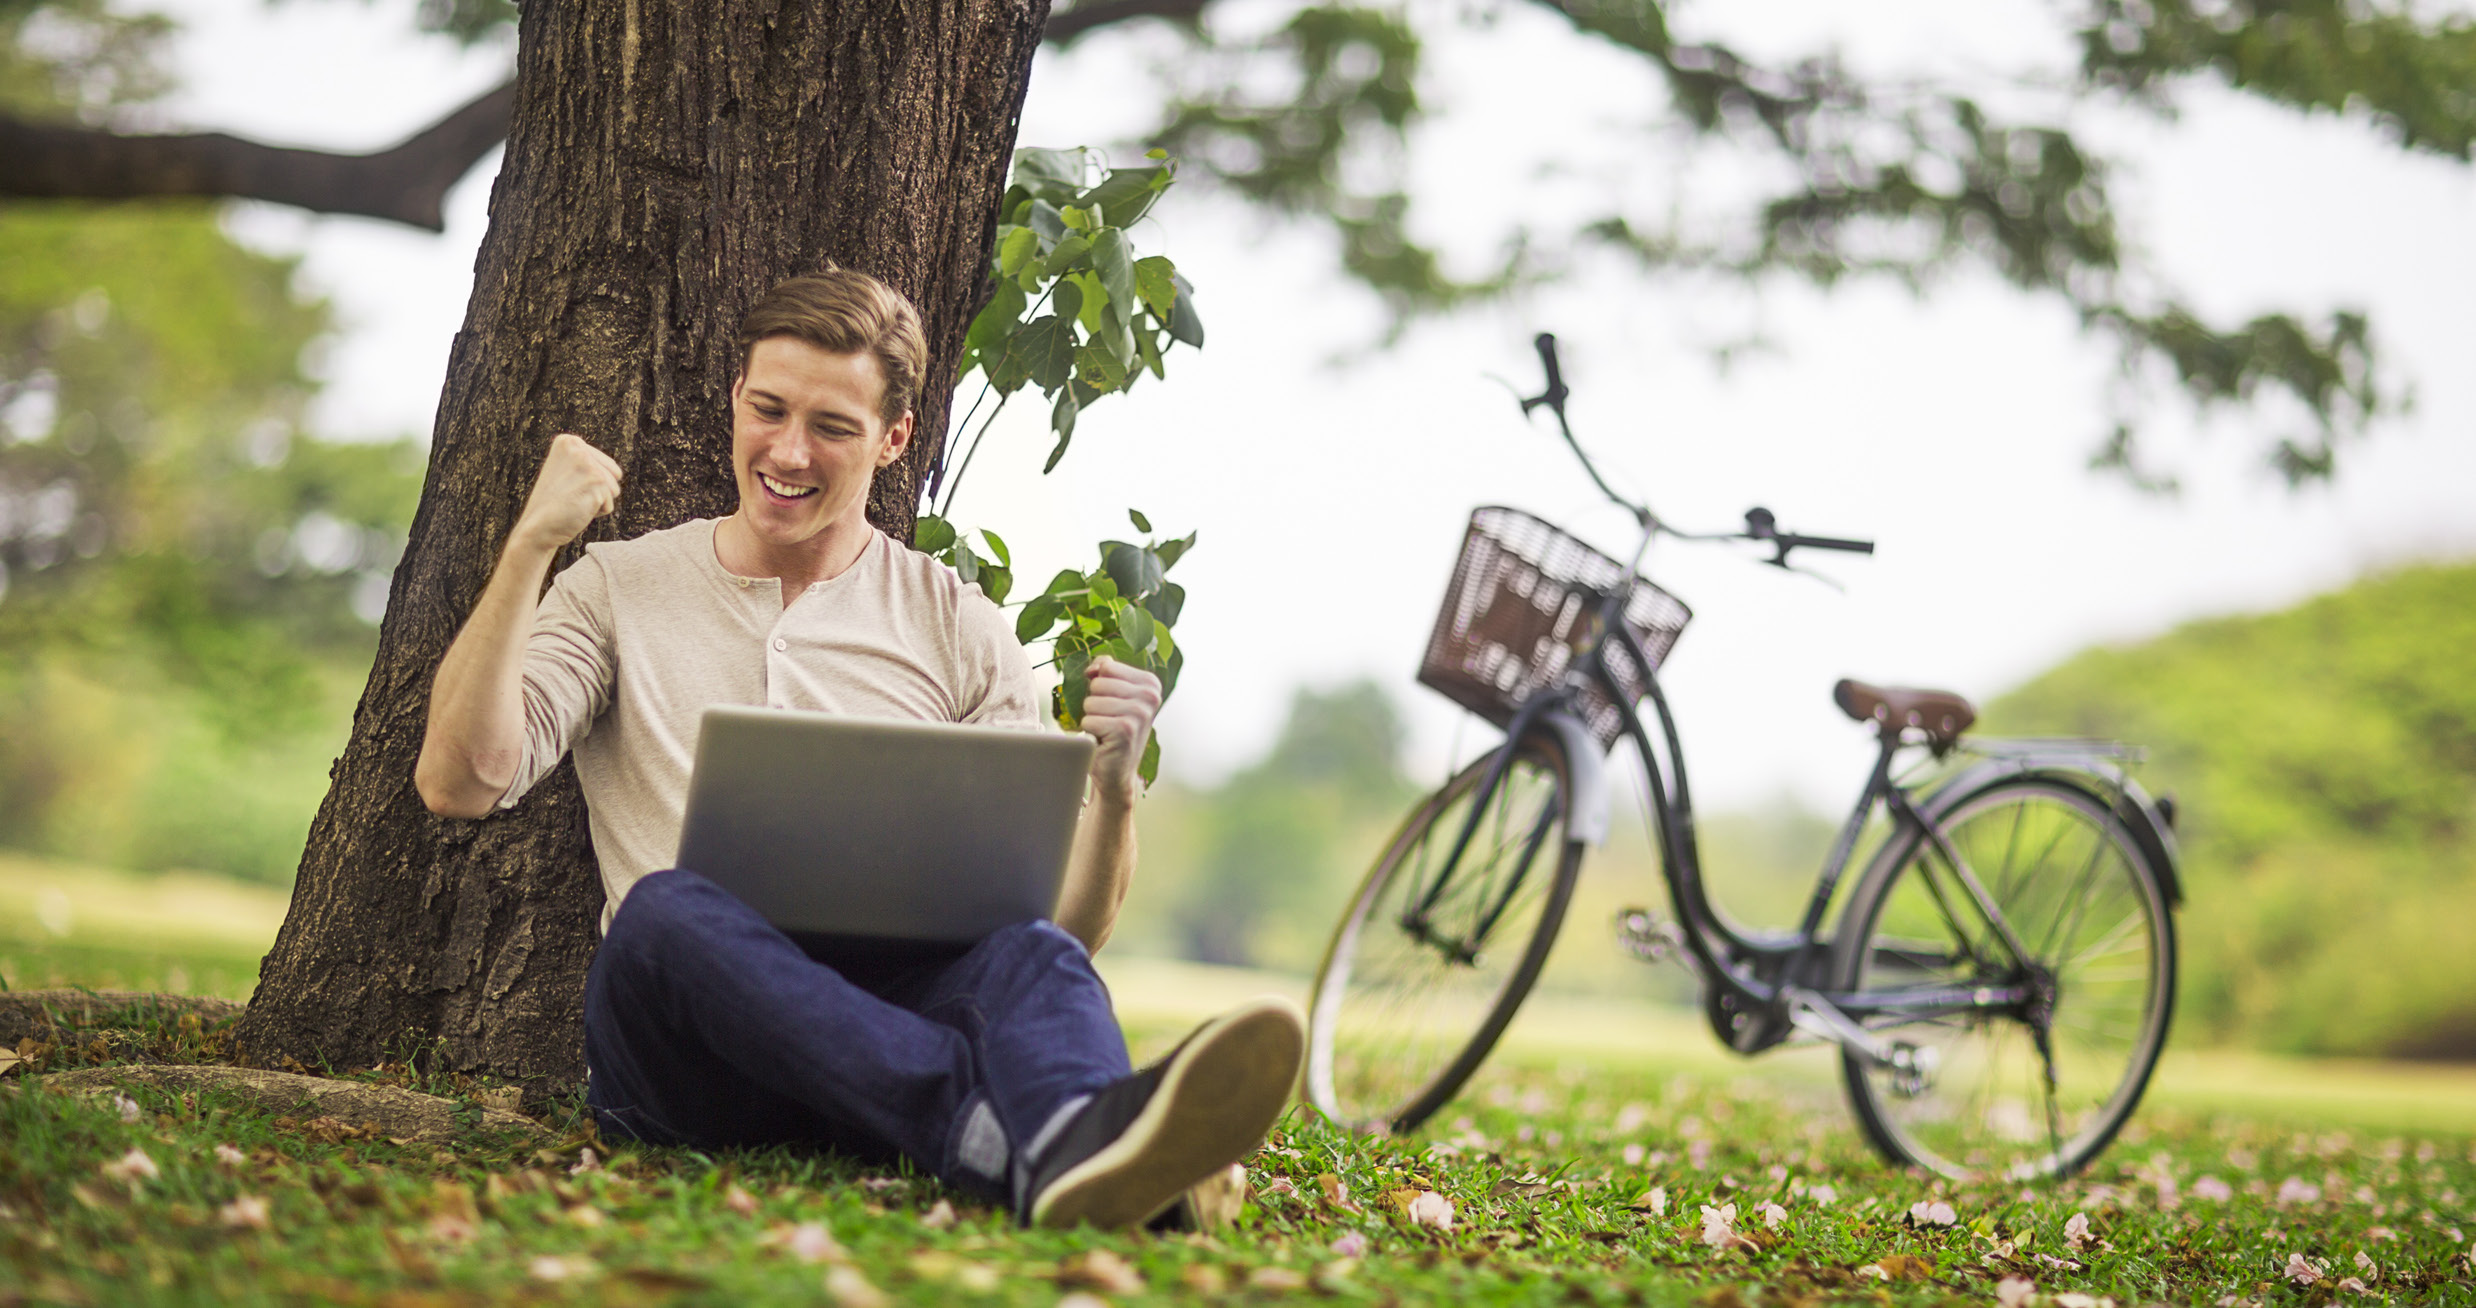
x=1758, y=987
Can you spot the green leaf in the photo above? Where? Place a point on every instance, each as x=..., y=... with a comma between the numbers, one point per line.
x=1135, y=570
x=1098, y=372
x=1149, y=766
x=1066, y=300
x=1079, y=217
x=1073, y=686
x=1017, y=249
x=1046, y=349
x=1126, y=194
x=1156, y=282
x=1061, y=421
x=1048, y=222
x=1090, y=299
x=1104, y=589
x=1173, y=550
x=1120, y=342
x=1116, y=266
x=966, y=563
x=932, y=534
x=1142, y=523
x=1166, y=603
x=1150, y=348
x=995, y=581
x=1169, y=672
x=1053, y=174
x=996, y=322
x=1037, y=617
x=1162, y=648
x=1067, y=252
x=1183, y=324
x=1137, y=626
x=997, y=546
x=1065, y=582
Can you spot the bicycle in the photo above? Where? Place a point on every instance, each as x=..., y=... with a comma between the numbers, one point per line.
x=2000, y=977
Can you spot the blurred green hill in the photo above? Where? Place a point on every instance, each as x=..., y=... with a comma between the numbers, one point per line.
x=2325, y=762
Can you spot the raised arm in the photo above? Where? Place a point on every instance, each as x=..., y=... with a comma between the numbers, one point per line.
x=1118, y=713
x=475, y=735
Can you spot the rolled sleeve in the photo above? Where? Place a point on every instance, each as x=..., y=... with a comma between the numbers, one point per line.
x=570, y=666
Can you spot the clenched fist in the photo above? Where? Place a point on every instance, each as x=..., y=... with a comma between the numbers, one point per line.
x=578, y=483
x=1118, y=712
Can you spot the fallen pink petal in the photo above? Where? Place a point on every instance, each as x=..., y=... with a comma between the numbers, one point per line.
x=1431, y=1209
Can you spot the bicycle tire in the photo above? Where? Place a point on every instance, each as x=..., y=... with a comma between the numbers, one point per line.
x=1395, y=1026
x=2089, y=907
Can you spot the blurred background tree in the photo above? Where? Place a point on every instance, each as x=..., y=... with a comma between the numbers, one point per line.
x=1833, y=175
x=188, y=581
x=1279, y=843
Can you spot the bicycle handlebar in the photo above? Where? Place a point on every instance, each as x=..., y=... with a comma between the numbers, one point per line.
x=1760, y=523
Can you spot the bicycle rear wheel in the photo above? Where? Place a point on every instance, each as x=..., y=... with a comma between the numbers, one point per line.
x=2091, y=913
x=1438, y=947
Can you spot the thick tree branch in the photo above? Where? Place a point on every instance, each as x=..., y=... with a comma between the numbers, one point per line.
x=1065, y=26
x=407, y=184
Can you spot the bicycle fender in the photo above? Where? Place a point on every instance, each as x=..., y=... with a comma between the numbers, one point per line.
x=1583, y=762
x=2092, y=775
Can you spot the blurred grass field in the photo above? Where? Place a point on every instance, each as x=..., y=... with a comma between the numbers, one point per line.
x=63, y=924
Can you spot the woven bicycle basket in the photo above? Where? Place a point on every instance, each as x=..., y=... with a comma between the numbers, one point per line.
x=1516, y=617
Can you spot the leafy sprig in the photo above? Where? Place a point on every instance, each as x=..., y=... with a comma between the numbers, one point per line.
x=1076, y=314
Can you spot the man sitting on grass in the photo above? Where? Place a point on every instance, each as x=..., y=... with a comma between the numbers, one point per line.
x=1002, y=1070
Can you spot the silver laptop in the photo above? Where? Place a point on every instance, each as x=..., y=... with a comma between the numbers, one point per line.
x=882, y=830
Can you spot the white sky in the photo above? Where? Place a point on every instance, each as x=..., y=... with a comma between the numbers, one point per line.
x=1954, y=429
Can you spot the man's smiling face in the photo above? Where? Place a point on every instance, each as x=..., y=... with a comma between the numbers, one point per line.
x=807, y=437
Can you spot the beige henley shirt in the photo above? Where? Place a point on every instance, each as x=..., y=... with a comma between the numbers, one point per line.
x=638, y=637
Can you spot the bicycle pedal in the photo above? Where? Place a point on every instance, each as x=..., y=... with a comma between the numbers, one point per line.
x=1647, y=936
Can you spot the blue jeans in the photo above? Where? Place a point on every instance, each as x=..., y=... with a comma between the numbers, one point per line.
x=706, y=1026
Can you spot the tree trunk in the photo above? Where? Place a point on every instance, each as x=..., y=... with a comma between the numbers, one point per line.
x=668, y=162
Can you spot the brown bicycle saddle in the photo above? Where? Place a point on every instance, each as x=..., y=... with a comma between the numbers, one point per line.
x=1940, y=714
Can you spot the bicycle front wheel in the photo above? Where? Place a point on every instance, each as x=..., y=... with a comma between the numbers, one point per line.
x=2040, y=1088
x=1442, y=941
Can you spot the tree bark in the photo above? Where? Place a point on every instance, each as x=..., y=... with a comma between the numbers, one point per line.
x=667, y=163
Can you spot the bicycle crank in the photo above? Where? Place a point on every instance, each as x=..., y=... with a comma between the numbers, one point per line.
x=1912, y=1067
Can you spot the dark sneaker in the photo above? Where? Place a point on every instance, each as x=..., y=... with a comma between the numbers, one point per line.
x=1139, y=1144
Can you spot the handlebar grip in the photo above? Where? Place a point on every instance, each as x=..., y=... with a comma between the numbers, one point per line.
x=1825, y=543
x=1547, y=358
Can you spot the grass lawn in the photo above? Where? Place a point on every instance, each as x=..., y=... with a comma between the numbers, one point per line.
x=1647, y=1167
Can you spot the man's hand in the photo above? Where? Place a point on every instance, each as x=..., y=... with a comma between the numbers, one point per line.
x=578, y=483
x=1118, y=712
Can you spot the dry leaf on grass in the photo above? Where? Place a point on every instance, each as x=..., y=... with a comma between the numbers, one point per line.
x=1099, y=1269
x=1280, y=1280
x=939, y=1216
x=1203, y=1278
x=809, y=1242
x=847, y=1287
x=1899, y=1267
x=1335, y=1194
x=740, y=1201
x=249, y=1211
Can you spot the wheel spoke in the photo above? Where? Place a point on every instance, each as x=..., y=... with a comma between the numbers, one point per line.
x=2011, y=1099
x=1439, y=944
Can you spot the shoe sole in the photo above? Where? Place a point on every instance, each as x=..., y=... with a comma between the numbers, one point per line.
x=1220, y=1093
